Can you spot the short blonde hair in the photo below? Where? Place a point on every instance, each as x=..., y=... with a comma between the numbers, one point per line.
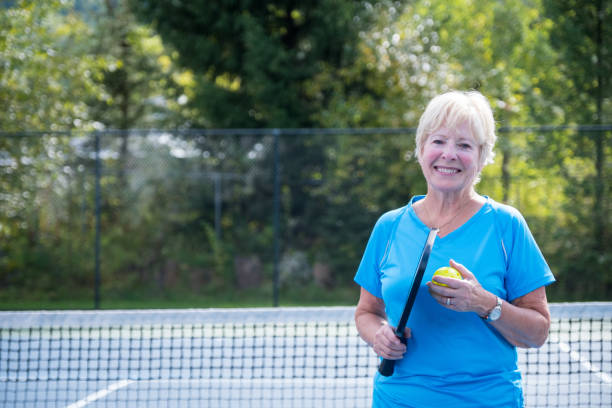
x=454, y=108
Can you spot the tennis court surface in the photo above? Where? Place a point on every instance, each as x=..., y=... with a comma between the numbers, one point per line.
x=281, y=357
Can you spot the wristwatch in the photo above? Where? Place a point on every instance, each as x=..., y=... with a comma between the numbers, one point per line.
x=495, y=313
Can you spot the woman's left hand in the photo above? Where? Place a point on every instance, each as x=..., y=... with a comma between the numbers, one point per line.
x=462, y=295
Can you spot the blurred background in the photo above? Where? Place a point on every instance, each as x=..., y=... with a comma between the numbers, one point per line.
x=238, y=153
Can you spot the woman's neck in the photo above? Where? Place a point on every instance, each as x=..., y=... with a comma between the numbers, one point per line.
x=439, y=203
x=447, y=212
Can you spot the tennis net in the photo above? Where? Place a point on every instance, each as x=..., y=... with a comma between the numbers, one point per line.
x=281, y=357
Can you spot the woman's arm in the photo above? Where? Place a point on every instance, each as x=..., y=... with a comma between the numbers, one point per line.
x=524, y=322
x=371, y=322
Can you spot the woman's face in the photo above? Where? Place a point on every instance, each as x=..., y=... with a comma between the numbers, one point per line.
x=450, y=159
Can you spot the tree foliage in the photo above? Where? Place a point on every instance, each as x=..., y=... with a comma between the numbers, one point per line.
x=46, y=74
x=582, y=34
x=62, y=72
x=253, y=59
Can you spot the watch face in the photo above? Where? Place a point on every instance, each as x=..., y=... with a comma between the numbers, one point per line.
x=495, y=313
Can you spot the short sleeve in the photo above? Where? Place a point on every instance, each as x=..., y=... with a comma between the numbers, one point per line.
x=368, y=273
x=527, y=269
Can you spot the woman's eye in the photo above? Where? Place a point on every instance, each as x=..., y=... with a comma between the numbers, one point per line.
x=465, y=146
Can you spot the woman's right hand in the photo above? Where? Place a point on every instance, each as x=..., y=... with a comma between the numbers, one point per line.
x=371, y=322
x=387, y=345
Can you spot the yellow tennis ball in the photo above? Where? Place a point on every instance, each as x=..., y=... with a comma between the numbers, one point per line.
x=447, y=271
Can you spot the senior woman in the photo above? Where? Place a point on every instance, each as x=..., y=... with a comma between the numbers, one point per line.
x=461, y=338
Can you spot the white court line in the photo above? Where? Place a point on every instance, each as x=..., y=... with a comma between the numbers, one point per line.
x=100, y=394
x=605, y=377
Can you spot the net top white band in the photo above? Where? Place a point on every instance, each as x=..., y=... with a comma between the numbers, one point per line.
x=105, y=318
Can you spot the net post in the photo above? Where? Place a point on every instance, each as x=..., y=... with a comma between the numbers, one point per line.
x=276, y=216
x=98, y=173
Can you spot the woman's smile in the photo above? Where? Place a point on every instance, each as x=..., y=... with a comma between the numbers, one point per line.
x=447, y=170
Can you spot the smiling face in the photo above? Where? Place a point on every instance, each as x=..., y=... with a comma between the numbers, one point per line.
x=466, y=113
x=450, y=159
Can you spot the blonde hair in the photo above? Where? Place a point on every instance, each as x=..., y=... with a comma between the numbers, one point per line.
x=455, y=108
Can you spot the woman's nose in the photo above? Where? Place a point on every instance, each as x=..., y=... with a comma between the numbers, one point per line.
x=449, y=151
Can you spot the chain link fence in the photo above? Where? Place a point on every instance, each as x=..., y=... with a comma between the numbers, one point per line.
x=117, y=212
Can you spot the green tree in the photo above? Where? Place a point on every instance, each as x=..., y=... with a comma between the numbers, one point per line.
x=45, y=80
x=66, y=69
x=582, y=32
x=141, y=86
x=260, y=64
x=46, y=75
x=253, y=59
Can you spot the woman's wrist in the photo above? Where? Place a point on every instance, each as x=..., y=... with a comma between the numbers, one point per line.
x=487, y=305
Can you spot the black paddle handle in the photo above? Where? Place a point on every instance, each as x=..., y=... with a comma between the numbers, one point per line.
x=386, y=367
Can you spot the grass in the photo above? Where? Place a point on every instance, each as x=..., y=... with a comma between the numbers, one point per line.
x=309, y=295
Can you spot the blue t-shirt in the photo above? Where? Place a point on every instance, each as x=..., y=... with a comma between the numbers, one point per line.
x=453, y=358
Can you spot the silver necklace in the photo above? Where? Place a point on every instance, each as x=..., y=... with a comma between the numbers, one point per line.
x=439, y=228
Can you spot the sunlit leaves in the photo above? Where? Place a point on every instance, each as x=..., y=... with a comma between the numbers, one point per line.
x=45, y=78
